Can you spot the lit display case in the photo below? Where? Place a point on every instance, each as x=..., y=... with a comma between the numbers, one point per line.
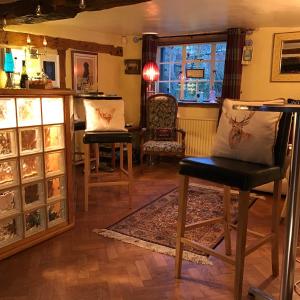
x=36, y=200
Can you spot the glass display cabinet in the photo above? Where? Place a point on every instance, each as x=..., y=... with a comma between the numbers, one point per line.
x=36, y=200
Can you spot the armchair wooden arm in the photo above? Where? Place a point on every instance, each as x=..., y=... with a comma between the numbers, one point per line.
x=183, y=133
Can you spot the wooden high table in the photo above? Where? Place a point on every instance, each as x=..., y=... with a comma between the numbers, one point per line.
x=292, y=217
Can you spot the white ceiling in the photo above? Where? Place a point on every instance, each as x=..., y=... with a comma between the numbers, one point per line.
x=173, y=17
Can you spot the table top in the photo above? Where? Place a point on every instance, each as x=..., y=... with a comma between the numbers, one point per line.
x=290, y=108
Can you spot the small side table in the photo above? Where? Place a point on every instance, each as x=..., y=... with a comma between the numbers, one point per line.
x=293, y=204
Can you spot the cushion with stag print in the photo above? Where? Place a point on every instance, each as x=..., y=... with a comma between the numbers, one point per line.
x=104, y=115
x=247, y=135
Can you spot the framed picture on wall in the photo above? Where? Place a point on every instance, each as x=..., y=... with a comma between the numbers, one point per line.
x=50, y=66
x=85, y=71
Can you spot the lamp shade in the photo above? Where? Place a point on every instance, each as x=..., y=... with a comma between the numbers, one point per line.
x=8, y=61
x=150, y=71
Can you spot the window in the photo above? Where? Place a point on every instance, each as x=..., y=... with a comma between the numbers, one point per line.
x=173, y=62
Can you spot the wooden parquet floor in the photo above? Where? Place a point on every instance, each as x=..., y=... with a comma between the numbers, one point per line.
x=82, y=265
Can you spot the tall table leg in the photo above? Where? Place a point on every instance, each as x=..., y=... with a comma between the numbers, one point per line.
x=292, y=219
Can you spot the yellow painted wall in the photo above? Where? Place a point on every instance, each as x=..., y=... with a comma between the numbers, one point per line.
x=256, y=82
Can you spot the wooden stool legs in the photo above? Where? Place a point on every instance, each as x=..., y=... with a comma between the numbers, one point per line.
x=241, y=250
x=87, y=172
x=184, y=182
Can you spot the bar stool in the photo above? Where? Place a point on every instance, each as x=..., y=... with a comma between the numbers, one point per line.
x=244, y=176
x=95, y=137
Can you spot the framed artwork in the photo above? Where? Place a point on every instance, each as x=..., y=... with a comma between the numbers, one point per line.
x=85, y=71
x=132, y=66
x=286, y=57
x=50, y=66
x=195, y=73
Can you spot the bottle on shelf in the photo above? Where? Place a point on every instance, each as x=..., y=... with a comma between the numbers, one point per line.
x=24, y=76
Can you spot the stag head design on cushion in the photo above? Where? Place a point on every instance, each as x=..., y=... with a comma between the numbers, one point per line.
x=106, y=115
x=237, y=133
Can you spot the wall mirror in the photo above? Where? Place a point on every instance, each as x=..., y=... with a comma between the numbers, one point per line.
x=286, y=57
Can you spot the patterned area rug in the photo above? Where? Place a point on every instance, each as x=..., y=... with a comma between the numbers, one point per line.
x=154, y=226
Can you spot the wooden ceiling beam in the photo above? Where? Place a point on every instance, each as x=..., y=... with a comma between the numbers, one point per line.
x=24, y=11
x=20, y=39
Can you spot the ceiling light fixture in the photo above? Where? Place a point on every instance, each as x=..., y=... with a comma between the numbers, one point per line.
x=38, y=11
x=82, y=4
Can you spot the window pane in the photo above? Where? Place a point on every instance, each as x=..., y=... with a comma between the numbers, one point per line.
x=177, y=54
x=175, y=90
x=203, y=90
x=175, y=72
x=165, y=54
x=164, y=87
x=218, y=88
x=164, y=72
x=219, y=75
x=190, y=91
x=220, y=51
x=204, y=65
x=198, y=51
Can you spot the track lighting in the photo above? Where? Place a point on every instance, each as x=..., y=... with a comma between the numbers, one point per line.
x=82, y=4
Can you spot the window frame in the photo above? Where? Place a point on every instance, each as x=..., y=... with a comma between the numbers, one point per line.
x=213, y=39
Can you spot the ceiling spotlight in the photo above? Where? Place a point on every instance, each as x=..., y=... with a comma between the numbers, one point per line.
x=82, y=4
x=38, y=11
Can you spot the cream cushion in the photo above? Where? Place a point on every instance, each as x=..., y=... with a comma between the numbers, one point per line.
x=247, y=135
x=104, y=115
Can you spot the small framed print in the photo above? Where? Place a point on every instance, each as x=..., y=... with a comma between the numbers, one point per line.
x=195, y=73
x=132, y=66
x=50, y=66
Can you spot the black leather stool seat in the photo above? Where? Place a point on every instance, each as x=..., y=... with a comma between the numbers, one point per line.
x=91, y=137
x=230, y=172
x=79, y=125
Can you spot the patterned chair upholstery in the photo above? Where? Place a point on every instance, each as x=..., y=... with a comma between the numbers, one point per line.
x=160, y=138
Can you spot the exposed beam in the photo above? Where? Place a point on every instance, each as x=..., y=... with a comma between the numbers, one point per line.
x=19, y=39
x=24, y=11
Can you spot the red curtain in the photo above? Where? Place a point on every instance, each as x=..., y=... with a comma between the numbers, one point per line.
x=149, y=50
x=233, y=63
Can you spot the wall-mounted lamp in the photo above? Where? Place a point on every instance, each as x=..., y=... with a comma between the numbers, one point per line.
x=28, y=40
x=82, y=4
x=150, y=71
x=33, y=51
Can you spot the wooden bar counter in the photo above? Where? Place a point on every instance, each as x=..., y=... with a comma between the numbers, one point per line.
x=36, y=189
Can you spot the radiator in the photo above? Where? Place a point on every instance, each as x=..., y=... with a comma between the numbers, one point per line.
x=199, y=135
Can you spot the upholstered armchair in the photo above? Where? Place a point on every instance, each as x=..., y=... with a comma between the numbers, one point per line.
x=161, y=137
